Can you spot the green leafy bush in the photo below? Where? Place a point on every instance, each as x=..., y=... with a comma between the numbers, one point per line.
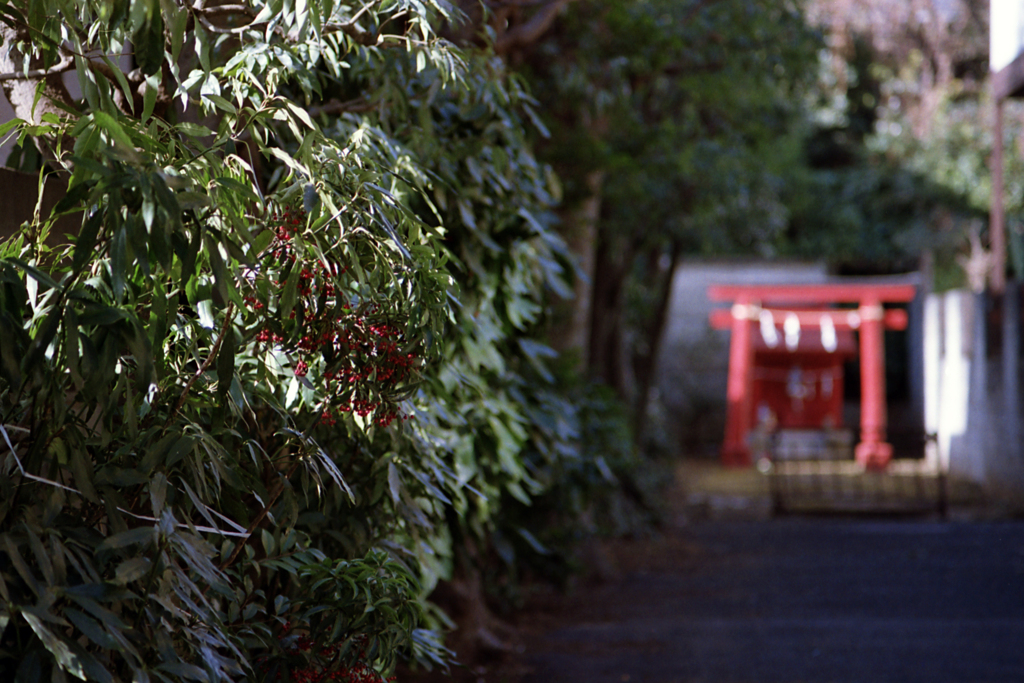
x=280, y=365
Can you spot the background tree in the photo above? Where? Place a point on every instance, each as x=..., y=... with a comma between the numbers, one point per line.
x=901, y=131
x=672, y=126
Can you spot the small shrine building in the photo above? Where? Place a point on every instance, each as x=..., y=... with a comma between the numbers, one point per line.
x=786, y=355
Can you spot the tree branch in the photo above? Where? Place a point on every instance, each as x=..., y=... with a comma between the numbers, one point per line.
x=66, y=63
x=23, y=93
x=349, y=27
x=533, y=29
x=206, y=363
x=338, y=107
x=278, y=490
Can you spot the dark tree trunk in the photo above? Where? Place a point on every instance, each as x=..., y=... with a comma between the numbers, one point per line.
x=570, y=330
x=645, y=360
x=605, y=357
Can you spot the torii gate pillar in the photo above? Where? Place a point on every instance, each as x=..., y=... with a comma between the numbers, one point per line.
x=872, y=452
x=740, y=388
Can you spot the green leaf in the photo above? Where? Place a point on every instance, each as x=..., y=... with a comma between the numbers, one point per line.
x=6, y=127
x=178, y=34
x=57, y=646
x=203, y=47
x=74, y=197
x=82, y=472
x=222, y=282
x=142, y=534
x=241, y=188
x=288, y=295
x=36, y=274
x=120, y=477
x=179, y=450
x=190, y=201
x=91, y=628
x=122, y=82
x=114, y=130
x=301, y=114
x=204, y=309
x=394, y=482
x=101, y=315
x=45, y=335
x=19, y=564
x=194, y=130
x=148, y=38
x=158, y=491
x=119, y=259
x=221, y=103
x=85, y=246
x=132, y=570
x=269, y=545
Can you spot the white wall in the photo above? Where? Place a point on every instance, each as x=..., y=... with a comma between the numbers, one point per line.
x=1006, y=32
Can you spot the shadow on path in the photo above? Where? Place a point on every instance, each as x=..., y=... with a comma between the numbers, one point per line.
x=727, y=594
x=802, y=600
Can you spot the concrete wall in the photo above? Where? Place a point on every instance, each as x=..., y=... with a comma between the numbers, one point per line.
x=972, y=389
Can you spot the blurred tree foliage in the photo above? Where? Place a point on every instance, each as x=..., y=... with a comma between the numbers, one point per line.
x=903, y=107
x=672, y=129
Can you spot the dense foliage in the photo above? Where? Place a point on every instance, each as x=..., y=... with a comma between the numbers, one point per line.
x=899, y=138
x=282, y=376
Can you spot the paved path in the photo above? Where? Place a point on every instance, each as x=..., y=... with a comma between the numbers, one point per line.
x=809, y=600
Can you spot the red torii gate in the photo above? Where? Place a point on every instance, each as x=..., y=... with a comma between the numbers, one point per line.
x=813, y=306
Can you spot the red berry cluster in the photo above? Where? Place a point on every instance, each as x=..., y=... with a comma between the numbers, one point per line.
x=368, y=365
x=364, y=356
x=286, y=224
x=360, y=672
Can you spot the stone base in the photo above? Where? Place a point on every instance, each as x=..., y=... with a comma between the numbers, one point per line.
x=873, y=455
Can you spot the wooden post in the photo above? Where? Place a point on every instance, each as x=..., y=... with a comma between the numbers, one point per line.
x=740, y=388
x=873, y=452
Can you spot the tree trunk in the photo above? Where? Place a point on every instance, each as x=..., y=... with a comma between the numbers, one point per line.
x=605, y=355
x=571, y=329
x=478, y=632
x=646, y=362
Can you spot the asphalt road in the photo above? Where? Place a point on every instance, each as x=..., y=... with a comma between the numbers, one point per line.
x=808, y=600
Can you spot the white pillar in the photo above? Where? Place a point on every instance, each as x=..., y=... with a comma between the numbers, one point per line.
x=955, y=452
x=932, y=340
